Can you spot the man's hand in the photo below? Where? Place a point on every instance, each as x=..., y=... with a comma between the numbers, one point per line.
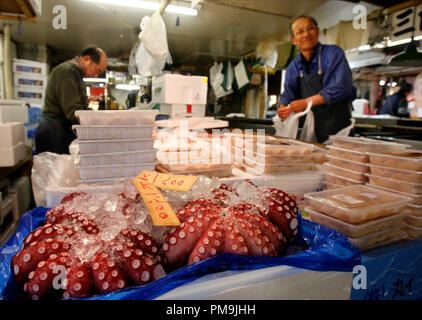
x=298, y=105
x=283, y=111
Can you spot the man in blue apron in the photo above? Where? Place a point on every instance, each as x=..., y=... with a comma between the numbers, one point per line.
x=320, y=73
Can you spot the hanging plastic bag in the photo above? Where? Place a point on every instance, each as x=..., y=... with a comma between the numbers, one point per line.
x=153, y=53
x=308, y=130
x=343, y=132
x=217, y=79
x=288, y=127
x=154, y=37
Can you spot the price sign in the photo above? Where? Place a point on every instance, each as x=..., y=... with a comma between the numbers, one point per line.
x=167, y=181
x=160, y=210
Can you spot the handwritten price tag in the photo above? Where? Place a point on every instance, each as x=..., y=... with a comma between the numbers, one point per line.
x=167, y=181
x=160, y=210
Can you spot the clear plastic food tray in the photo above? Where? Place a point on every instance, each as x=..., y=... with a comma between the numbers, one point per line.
x=416, y=198
x=340, y=180
x=413, y=232
x=114, y=171
x=115, y=117
x=414, y=210
x=377, y=239
x=398, y=174
x=414, y=221
x=366, y=144
x=109, y=132
x=314, y=157
x=357, y=230
x=356, y=204
x=279, y=167
x=103, y=159
x=349, y=174
x=394, y=184
x=348, y=164
x=280, y=149
x=192, y=166
x=221, y=172
x=348, y=154
x=109, y=146
x=331, y=186
x=405, y=160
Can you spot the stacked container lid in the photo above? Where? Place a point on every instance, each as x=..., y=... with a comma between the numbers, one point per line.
x=348, y=159
x=401, y=172
x=114, y=144
x=368, y=216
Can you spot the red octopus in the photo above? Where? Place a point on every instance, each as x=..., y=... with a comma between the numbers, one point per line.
x=208, y=228
x=132, y=257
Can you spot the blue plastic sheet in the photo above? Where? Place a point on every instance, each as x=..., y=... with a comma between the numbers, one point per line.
x=317, y=248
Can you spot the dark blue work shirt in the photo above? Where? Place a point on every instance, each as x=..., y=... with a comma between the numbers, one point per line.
x=337, y=76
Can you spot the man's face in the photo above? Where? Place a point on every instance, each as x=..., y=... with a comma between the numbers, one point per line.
x=305, y=34
x=92, y=69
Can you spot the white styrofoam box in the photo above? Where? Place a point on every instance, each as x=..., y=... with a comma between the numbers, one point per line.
x=110, y=146
x=116, y=117
x=114, y=171
x=29, y=79
x=182, y=110
x=101, y=159
x=12, y=155
x=13, y=111
x=29, y=93
x=179, y=89
x=110, y=132
x=55, y=194
x=11, y=134
x=29, y=66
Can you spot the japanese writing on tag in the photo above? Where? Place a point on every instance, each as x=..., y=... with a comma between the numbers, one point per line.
x=167, y=181
x=160, y=210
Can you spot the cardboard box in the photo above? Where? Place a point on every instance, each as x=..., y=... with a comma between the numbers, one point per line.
x=179, y=89
x=30, y=79
x=29, y=66
x=11, y=134
x=182, y=110
x=29, y=93
x=13, y=111
x=11, y=156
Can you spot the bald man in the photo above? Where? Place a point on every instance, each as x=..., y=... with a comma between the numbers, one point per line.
x=66, y=93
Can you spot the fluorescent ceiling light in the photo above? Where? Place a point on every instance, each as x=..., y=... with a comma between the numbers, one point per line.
x=148, y=5
x=128, y=87
x=95, y=79
x=396, y=43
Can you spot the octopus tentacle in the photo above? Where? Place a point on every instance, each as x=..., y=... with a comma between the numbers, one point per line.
x=27, y=259
x=40, y=282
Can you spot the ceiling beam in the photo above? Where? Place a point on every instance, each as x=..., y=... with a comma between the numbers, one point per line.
x=17, y=18
x=236, y=6
x=23, y=5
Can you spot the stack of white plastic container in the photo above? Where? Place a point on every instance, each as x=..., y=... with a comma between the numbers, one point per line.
x=368, y=216
x=401, y=173
x=30, y=81
x=269, y=155
x=114, y=144
x=13, y=115
x=348, y=159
